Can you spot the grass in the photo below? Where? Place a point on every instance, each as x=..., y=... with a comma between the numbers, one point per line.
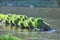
x=8, y=37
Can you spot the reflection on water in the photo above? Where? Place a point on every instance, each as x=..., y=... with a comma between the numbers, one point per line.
x=49, y=35
x=51, y=31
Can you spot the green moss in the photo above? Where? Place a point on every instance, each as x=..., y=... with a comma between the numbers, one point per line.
x=25, y=23
x=38, y=22
x=8, y=37
x=2, y=16
x=22, y=21
x=14, y=17
x=32, y=19
x=29, y=23
x=25, y=17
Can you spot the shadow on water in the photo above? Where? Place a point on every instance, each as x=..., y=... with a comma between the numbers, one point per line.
x=47, y=35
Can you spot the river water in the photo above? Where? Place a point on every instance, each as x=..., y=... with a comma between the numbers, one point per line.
x=49, y=35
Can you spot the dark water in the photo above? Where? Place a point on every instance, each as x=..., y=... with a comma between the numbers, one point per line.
x=49, y=35
x=29, y=3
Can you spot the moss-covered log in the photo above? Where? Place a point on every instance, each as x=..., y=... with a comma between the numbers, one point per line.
x=23, y=22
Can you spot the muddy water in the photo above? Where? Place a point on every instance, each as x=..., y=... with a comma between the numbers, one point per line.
x=50, y=35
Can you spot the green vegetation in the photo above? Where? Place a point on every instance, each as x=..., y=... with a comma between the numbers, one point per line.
x=2, y=16
x=22, y=21
x=38, y=22
x=8, y=37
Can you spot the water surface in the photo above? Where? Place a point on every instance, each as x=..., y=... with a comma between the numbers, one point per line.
x=49, y=35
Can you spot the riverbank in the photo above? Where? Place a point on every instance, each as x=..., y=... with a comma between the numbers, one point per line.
x=34, y=12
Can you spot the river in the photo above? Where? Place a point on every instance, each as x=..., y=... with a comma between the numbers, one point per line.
x=49, y=35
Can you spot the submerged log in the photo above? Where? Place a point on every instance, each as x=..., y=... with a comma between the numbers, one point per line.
x=24, y=22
